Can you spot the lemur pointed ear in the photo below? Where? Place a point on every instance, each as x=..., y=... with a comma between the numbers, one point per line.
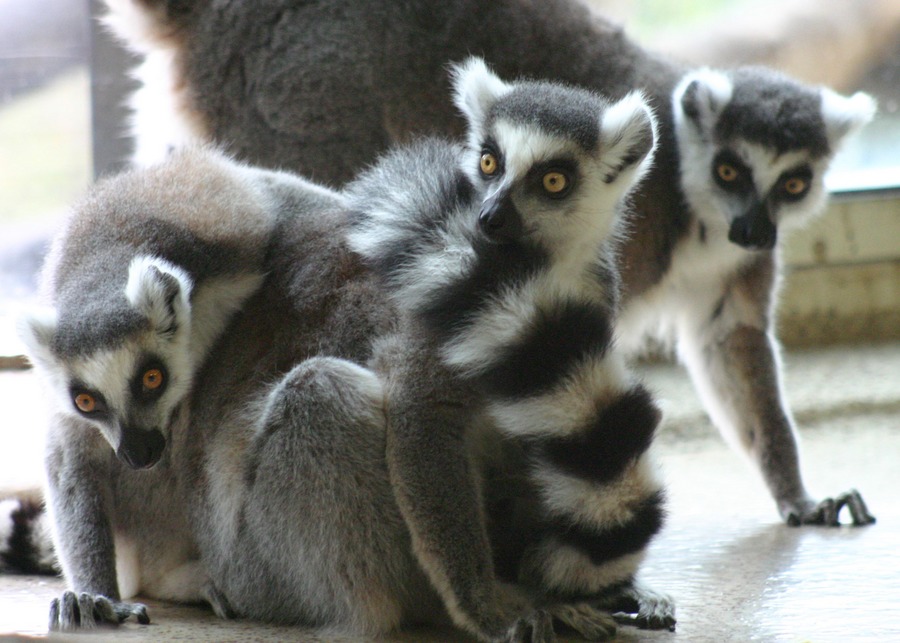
x=628, y=136
x=701, y=96
x=36, y=328
x=845, y=115
x=476, y=88
x=161, y=291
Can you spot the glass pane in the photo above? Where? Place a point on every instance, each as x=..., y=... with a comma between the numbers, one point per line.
x=44, y=134
x=854, y=49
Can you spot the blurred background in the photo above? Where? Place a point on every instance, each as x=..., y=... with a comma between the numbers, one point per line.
x=63, y=122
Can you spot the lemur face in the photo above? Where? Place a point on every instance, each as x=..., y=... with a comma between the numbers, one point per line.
x=554, y=162
x=130, y=386
x=539, y=180
x=755, y=146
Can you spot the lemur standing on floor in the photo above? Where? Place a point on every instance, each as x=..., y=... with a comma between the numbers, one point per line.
x=323, y=87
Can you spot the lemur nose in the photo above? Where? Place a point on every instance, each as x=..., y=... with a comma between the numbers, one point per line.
x=499, y=219
x=754, y=230
x=489, y=221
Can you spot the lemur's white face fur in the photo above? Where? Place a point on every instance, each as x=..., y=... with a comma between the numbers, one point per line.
x=554, y=161
x=754, y=147
x=129, y=388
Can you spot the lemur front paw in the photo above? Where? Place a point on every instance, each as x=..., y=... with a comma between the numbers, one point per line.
x=536, y=627
x=827, y=511
x=73, y=611
x=645, y=608
x=512, y=618
x=590, y=621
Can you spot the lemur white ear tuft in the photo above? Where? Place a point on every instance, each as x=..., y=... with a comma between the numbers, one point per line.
x=701, y=96
x=628, y=136
x=845, y=115
x=36, y=328
x=161, y=291
x=475, y=89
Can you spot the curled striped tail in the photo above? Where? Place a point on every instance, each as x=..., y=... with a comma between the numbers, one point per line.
x=582, y=430
x=26, y=545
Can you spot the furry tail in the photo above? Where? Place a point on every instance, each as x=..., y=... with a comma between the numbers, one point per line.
x=26, y=545
x=147, y=25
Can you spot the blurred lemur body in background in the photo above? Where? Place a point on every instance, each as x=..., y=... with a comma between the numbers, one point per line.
x=322, y=87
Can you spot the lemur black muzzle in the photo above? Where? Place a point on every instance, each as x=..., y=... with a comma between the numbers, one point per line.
x=141, y=449
x=499, y=220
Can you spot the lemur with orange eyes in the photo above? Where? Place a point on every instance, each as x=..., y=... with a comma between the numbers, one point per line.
x=271, y=396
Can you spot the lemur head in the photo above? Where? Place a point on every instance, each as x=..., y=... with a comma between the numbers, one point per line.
x=553, y=161
x=120, y=362
x=755, y=145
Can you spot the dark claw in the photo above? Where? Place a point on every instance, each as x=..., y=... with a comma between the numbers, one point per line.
x=793, y=520
x=646, y=621
x=827, y=512
x=105, y=610
x=125, y=610
x=859, y=513
x=54, y=615
x=68, y=612
x=646, y=609
x=590, y=621
x=85, y=611
x=536, y=628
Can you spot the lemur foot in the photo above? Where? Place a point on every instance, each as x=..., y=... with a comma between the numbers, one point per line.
x=512, y=618
x=827, y=512
x=645, y=608
x=537, y=627
x=591, y=622
x=74, y=611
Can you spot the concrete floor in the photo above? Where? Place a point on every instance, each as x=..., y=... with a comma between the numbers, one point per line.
x=736, y=573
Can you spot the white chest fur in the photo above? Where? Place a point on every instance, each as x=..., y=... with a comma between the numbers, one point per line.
x=701, y=266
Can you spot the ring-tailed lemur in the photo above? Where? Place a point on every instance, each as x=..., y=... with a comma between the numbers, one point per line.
x=140, y=283
x=186, y=300
x=323, y=89
x=203, y=315
x=520, y=294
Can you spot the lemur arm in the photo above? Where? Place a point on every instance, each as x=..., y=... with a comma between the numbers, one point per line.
x=436, y=487
x=732, y=357
x=78, y=480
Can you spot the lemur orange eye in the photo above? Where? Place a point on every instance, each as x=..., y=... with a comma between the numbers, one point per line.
x=555, y=182
x=488, y=163
x=726, y=172
x=795, y=186
x=85, y=403
x=152, y=379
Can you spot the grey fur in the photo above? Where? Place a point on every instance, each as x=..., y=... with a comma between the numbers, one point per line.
x=321, y=88
x=254, y=394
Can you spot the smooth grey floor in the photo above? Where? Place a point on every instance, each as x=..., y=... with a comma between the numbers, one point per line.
x=736, y=572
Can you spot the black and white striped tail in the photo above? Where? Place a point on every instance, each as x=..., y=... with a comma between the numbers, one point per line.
x=595, y=502
x=26, y=546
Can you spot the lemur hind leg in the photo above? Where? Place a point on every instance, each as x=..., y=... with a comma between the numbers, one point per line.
x=319, y=515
